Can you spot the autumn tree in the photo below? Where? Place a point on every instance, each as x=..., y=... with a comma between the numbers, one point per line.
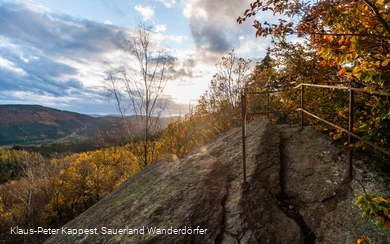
x=265, y=77
x=10, y=164
x=49, y=193
x=222, y=99
x=350, y=37
x=352, y=34
x=141, y=91
x=287, y=65
x=84, y=179
x=182, y=136
x=218, y=110
x=22, y=202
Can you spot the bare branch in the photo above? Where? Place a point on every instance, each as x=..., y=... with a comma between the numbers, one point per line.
x=143, y=89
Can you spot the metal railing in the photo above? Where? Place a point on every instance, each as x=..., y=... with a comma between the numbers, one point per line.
x=302, y=111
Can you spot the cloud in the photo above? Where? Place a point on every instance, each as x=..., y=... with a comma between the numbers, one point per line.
x=108, y=22
x=167, y=3
x=55, y=59
x=253, y=47
x=163, y=39
x=160, y=28
x=42, y=76
x=182, y=69
x=213, y=23
x=5, y=64
x=176, y=109
x=58, y=60
x=146, y=12
x=174, y=38
x=63, y=35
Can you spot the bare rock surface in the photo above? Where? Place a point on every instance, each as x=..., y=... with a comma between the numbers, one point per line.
x=295, y=194
x=313, y=181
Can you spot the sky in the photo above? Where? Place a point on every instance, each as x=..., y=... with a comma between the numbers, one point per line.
x=56, y=53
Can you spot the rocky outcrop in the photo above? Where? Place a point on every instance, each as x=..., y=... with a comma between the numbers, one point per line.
x=314, y=183
x=294, y=194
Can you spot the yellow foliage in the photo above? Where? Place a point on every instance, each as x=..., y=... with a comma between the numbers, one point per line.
x=363, y=239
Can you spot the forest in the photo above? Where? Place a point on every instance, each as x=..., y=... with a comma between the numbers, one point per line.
x=331, y=42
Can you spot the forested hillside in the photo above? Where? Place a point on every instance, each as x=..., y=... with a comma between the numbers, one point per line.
x=34, y=124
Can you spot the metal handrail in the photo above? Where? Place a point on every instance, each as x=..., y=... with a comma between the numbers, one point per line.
x=349, y=131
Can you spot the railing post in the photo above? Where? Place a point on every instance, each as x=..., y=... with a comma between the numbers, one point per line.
x=243, y=115
x=302, y=104
x=350, y=129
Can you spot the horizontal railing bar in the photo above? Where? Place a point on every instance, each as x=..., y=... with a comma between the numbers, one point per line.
x=264, y=92
x=272, y=112
x=346, y=131
x=324, y=86
x=381, y=93
x=325, y=121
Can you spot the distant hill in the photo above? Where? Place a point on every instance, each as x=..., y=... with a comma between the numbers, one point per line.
x=35, y=124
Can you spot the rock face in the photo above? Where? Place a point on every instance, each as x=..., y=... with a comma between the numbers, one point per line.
x=312, y=180
x=294, y=194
